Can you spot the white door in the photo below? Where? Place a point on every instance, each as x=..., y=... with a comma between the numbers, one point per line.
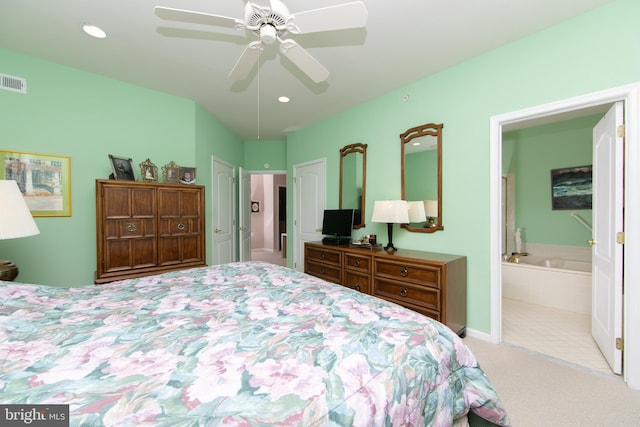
x=309, y=200
x=606, y=306
x=223, y=211
x=244, y=214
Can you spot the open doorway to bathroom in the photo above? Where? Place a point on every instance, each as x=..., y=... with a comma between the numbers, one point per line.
x=546, y=269
x=268, y=217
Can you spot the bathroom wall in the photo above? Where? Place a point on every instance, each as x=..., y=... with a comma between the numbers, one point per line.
x=529, y=155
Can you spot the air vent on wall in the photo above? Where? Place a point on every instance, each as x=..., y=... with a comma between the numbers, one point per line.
x=12, y=83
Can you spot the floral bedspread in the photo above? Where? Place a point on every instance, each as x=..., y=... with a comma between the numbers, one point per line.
x=241, y=344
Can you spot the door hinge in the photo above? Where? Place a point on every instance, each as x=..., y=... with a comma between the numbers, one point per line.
x=620, y=131
x=620, y=344
x=620, y=237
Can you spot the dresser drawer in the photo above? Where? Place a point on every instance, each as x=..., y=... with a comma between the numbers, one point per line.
x=424, y=275
x=357, y=281
x=357, y=263
x=323, y=255
x=407, y=293
x=323, y=271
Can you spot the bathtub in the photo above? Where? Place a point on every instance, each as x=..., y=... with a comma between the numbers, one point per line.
x=551, y=282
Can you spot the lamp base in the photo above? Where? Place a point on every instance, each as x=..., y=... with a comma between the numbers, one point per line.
x=390, y=247
x=8, y=270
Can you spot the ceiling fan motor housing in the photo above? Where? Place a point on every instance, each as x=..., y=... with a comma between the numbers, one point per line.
x=268, y=23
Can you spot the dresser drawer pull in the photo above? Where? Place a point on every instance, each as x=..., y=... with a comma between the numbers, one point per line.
x=322, y=255
x=404, y=292
x=321, y=270
x=357, y=288
x=180, y=226
x=404, y=272
x=356, y=263
x=131, y=228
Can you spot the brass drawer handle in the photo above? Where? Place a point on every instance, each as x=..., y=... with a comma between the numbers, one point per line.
x=357, y=288
x=404, y=272
x=321, y=270
x=404, y=292
x=322, y=255
x=131, y=228
x=357, y=263
x=180, y=226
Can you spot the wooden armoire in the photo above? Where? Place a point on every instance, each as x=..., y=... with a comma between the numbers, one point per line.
x=145, y=228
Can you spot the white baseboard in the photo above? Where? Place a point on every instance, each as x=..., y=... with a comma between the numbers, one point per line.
x=479, y=335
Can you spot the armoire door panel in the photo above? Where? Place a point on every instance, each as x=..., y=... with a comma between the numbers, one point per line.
x=190, y=203
x=119, y=203
x=144, y=253
x=169, y=250
x=143, y=202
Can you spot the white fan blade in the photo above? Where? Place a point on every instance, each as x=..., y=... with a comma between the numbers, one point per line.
x=339, y=17
x=197, y=17
x=303, y=60
x=246, y=62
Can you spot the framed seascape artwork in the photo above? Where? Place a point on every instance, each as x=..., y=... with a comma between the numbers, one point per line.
x=122, y=168
x=187, y=175
x=43, y=179
x=571, y=188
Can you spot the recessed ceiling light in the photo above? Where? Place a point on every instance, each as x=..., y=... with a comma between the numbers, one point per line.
x=94, y=31
x=284, y=99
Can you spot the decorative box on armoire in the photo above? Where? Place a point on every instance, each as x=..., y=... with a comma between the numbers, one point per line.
x=145, y=228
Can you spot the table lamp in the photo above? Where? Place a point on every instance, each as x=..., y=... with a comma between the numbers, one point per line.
x=431, y=210
x=390, y=212
x=15, y=222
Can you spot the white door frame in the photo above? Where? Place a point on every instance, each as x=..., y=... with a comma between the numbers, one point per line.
x=630, y=95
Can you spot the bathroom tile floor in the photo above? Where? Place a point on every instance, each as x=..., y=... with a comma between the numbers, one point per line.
x=561, y=334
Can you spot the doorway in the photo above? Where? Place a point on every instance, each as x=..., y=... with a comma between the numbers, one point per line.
x=268, y=208
x=547, y=309
x=572, y=107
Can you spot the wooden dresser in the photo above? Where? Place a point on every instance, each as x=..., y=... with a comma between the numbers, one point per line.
x=430, y=283
x=145, y=228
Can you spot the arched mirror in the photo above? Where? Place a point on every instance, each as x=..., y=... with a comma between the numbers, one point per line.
x=421, y=149
x=353, y=180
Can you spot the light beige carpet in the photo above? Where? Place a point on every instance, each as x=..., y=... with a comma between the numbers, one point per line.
x=539, y=391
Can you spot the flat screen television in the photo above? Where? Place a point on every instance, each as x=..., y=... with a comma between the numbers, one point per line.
x=337, y=225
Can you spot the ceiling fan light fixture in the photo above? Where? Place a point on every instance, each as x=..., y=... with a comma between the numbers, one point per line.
x=94, y=31
x=268, y=34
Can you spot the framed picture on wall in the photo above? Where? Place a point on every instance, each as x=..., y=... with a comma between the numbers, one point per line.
x=571, y=188
x=43, y=179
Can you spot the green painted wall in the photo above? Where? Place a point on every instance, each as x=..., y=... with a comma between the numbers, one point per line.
x=87, y=117
x=566, y=60
x=265, y=156
x=534, y=152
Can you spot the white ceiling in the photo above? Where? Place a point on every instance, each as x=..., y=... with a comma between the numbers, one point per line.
x=404, y=40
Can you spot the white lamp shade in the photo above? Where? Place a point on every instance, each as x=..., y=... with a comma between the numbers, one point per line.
x=431, y=208
x=15, y=219
x=391, y=211
x=416, y=212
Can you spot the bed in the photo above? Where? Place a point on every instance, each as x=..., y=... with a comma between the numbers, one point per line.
x=240, y=344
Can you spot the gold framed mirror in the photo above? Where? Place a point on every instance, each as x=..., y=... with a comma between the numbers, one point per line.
x=421, y=170
x=353, y=181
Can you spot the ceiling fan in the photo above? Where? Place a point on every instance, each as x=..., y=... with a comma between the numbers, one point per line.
x=271, y=21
